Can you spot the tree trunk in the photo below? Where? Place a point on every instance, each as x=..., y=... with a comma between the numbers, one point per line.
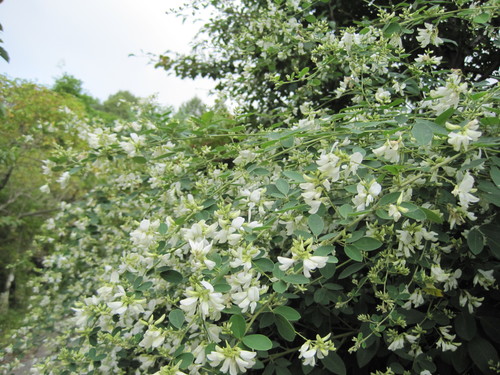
x=4, y=296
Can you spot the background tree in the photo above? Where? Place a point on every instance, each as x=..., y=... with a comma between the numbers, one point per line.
x=121, y=104
x=35, y=121
x=245, y=56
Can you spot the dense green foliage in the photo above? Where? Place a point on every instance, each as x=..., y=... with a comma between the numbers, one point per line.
x=252, y=41
x=34, y=121
x=348, y=224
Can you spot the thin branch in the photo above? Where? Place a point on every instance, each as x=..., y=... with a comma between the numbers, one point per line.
x=6, y=178
x=37, y=213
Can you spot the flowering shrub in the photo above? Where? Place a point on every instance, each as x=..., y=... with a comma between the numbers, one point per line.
x=358, y=241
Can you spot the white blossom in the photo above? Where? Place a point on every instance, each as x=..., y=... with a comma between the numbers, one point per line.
x=367, y=192
x=429, y=35
x=463, y=191
x=233, y=359
x=460, y=140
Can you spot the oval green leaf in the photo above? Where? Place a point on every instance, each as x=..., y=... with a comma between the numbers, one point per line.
x=257, y=342
x=353, y=252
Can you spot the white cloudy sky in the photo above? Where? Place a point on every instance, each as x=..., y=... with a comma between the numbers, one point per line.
x=92, y=40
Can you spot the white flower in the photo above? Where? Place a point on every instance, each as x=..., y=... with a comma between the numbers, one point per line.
x=312, y=262
x=445, y=341
x=245, y=156
x=153, y=338
x=448, y=96
x=354, y=163
x=200, y=249
x=234, y=359
x=429, y=35
x=311, y=195
x=367, y=191
x=382, y=96
x=397, y=343
x=204, y=299
x=145, y=235
x=131, y=146
x=315, y=348
x=428, y=59
x=308, y=354
x=45, y=189
x=484, y=278
x=247, y=299
x=63, y=179
x=389, y=150
x=286, y=263
x=471, y=301
x=463, y=191
x=329, y=166
x=462, y=138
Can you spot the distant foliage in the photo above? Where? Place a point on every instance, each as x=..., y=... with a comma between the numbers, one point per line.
x=34, y=121
x=359, y=237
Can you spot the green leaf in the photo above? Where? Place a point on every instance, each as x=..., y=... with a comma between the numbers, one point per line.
x=422, y=133
x=176, y=318
x=481, y=351
x=260, y=171
x=367, y=244
x=465, y=326
x=353, y=252
x=432, y=216
x=364, y=356
x=391, y=28
x=238, y=326
x=145, y=286
x=345, y=210
x=316, y=224
x=285, y=328
x=353, y=268
x=287, y=312
x=383, y=214
x=328, y=270
x=295, y=176
x=283, y=186
x=475, y=240
x=355, y=236
x=443, y=117
x=257, y=342
x=303, y=72
x=264, y=264
x=222, y=287
x=495, y=175
x=481, y=18
x=389, y=198
x=324, y=250
x=139, y=159
x=3, y=54
x=279, y=286
x=417, y=215
x=296, y=279
x=491, y=326
x=287, y=142
x=310, y=18
x=162, y=229
x=171, y=276
x=186, y=359
x=334, y=363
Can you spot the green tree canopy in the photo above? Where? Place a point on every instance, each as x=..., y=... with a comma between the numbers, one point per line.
x=121, y=104
x=252, y=41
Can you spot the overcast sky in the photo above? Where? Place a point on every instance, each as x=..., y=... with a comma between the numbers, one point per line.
x=92, y=40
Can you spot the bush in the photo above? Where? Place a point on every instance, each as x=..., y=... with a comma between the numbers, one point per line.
x=355, y=241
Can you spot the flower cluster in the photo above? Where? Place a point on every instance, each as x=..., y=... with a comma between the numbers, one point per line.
x=374, y=224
